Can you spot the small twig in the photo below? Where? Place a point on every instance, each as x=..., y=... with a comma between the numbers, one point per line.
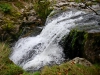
x=86, y=6
x=93, y=10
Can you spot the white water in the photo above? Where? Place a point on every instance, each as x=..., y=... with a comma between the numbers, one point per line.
x=32, y=53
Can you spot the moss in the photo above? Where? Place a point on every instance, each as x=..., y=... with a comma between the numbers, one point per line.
x=12, y=69
x=10, y=22
x=5, y=7
x=82, y=44
x=4, y=53
x=8, y=26
x=6, y=66
x=36, y=73
x=92, y=47
x=74, y=44
x=85, y=36
x=15, y=15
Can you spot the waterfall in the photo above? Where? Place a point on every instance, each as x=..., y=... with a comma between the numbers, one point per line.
x=32, y=53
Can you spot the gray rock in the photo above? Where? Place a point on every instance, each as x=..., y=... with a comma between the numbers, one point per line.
x=81, y=61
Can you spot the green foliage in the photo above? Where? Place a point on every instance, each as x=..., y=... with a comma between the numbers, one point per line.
x=74, y=44
x=12, y=69
x=86, y=36
x=15, y=15
x=78, y=35
x=8, y=26
x=5, y=7
x=6, y=66
x=4, y=53
x=97, y=67
x=26, y=73
x=42, y=8
x=36, y=73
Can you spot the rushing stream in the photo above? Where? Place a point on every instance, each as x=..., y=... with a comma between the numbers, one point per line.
x=32, y=53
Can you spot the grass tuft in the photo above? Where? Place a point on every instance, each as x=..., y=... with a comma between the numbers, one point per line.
x=70, y=69
x=5, y=7
x=42, y=7
x=6, y=66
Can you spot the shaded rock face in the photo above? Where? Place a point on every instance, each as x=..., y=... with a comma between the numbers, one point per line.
x=73, y=46
x=92, y=47
x=83, y=44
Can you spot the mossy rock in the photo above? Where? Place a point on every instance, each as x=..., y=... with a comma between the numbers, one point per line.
x=74, y=44
x=83, y=44
x=92, y=47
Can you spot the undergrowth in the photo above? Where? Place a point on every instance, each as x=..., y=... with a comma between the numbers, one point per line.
x=5, y=7
x=42, y=8
x=8, y=68
x=70, y=69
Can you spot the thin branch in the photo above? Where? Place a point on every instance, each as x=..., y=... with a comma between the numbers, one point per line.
x=91, y=9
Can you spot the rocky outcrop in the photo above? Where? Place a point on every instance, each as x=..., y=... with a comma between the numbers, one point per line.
x=83, y=44
x=21, y=19
x=79, y=4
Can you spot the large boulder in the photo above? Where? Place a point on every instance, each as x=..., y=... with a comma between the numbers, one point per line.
x=83, y=44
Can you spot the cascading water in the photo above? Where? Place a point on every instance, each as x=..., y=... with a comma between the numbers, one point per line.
x=32, y=53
